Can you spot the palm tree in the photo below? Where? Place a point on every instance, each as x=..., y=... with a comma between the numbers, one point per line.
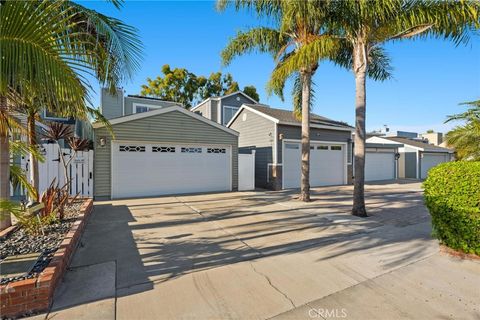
x=366, y=26
x=47, y=49
x=466, y=138
x=298, y=42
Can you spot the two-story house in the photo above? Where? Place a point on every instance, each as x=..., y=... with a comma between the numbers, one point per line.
x=222, y=109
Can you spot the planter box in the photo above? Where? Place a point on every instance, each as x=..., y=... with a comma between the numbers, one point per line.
x=35, y=295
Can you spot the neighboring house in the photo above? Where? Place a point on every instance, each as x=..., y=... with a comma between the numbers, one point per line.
x=117, y=105
x=222, y=109
x=80, y=128
x=416, y=156
x=435, y=138
x=275, y=135
x=168, y=150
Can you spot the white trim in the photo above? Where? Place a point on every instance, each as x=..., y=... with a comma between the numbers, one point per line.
x=238, y=92
x=200, y=103
x=275, y=120
x=244, y=106
x=345, y=169
x=275, y=142
x=137, y=104
x=219, y=112
x=163, y=110
x=112, y=142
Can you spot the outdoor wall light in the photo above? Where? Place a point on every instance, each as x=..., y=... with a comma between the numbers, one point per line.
x=102, y=142
x=280, y=136
x=397, y=156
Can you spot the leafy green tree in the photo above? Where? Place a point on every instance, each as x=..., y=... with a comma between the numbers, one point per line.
x=297, y=42
x=251, y=91
x=365, y=26
x=466, y=138
x=183, y=86
x=47, y=48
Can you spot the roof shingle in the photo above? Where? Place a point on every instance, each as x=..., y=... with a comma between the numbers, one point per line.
x=418, y=144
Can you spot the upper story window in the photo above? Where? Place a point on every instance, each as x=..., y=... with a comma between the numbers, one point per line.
x=51, y=115
x=228, y=113
x=140, y=107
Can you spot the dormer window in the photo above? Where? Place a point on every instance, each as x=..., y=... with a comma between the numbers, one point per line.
x=228, y=113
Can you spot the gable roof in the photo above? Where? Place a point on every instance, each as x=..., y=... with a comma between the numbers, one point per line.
x=287, y=117
x=418, y=144
x=160, y=111
x=225, y=96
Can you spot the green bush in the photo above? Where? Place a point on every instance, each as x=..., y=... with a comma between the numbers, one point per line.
x=452, y=195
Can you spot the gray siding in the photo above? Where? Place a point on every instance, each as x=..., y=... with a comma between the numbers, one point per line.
x=204, y=109
x=213, y=110
x=173, y=127
x=233, y=102
x=111, y=105
x=129, y=101
x=256, y=133
x=295, y=132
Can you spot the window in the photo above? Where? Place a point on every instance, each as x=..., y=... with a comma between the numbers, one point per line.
x=52, y=115
x=216, y=150
x=191, y=150
x=228, y=113
x=322, y=147
x=291, y=146
x=163, y=149
x=336, y=148
x=139, y=108
x=131, y=148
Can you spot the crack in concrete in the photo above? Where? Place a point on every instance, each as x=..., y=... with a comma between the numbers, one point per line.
x=272, y=285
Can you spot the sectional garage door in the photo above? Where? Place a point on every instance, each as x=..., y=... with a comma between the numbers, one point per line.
x=379, y=166
x=430, y=160
x=327, y=164
x=151, y=169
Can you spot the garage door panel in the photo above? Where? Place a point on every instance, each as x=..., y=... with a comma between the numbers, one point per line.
x=170, y=169
x=430, y=160
x=379, y=166
x=327, y=164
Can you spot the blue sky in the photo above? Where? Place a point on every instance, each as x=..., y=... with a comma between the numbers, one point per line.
x=430, y=76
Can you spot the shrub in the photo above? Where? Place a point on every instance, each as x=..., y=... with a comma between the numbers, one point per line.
x=452, y=195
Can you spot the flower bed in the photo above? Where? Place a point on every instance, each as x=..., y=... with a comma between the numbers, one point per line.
x=34, y=292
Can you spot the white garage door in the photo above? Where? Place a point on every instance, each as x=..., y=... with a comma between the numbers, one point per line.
x=327, y=164
x=151, y=169
x=430, y=160
x=379, y=166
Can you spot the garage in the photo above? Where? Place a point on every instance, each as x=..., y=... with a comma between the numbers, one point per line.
x=327, y=164
x=150, y=169
x=430, y=160
x=164, y=152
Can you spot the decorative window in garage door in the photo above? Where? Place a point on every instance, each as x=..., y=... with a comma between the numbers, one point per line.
x=216, y=150
x=191, y=150
x=291, y=146
x=322, y=147
x=336, y=148
x=131, y=148
x=163, y=149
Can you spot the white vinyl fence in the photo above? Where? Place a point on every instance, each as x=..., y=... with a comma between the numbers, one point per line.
x=80, y=170
x=246, y=171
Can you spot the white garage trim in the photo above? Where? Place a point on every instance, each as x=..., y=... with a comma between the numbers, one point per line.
x=117, y=142
x=344, y=144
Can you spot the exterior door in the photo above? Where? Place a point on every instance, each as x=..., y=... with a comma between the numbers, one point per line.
x=379, y=166
x=152, y=169
x=327, y=164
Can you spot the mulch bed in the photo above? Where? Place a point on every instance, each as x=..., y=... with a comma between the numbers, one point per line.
x=20, y=242
x=458, y=254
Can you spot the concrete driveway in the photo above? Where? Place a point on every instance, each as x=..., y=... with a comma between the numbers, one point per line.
x=259, y=255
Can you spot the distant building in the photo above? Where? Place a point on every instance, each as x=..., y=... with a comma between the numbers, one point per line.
x=435, y=138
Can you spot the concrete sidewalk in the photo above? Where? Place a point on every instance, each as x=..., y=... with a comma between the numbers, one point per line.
x=258, y=255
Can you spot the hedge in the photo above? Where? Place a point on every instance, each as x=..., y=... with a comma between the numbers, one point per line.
x=452, y=195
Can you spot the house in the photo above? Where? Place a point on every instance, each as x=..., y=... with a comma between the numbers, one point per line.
x=275, y=136
x=160, y=151
x=435, y=138
x=222, y=109
x=417, y=156
x=118, y=105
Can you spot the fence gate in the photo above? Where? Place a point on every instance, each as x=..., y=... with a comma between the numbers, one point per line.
x=80, y=170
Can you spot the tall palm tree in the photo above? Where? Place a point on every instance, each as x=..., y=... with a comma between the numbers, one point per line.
x=367, y=25
x=298, y=42
x=466, y=138
x=47, y=49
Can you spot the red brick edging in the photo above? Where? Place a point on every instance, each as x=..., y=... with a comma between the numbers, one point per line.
x=34, y=295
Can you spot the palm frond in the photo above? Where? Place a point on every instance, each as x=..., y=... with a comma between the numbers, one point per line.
x=24, y=149
x=19, y=179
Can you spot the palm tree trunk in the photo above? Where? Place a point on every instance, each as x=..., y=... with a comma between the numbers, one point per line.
x=33, y=162
x=5, y=219
x=360, y=70
x=305, y=180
